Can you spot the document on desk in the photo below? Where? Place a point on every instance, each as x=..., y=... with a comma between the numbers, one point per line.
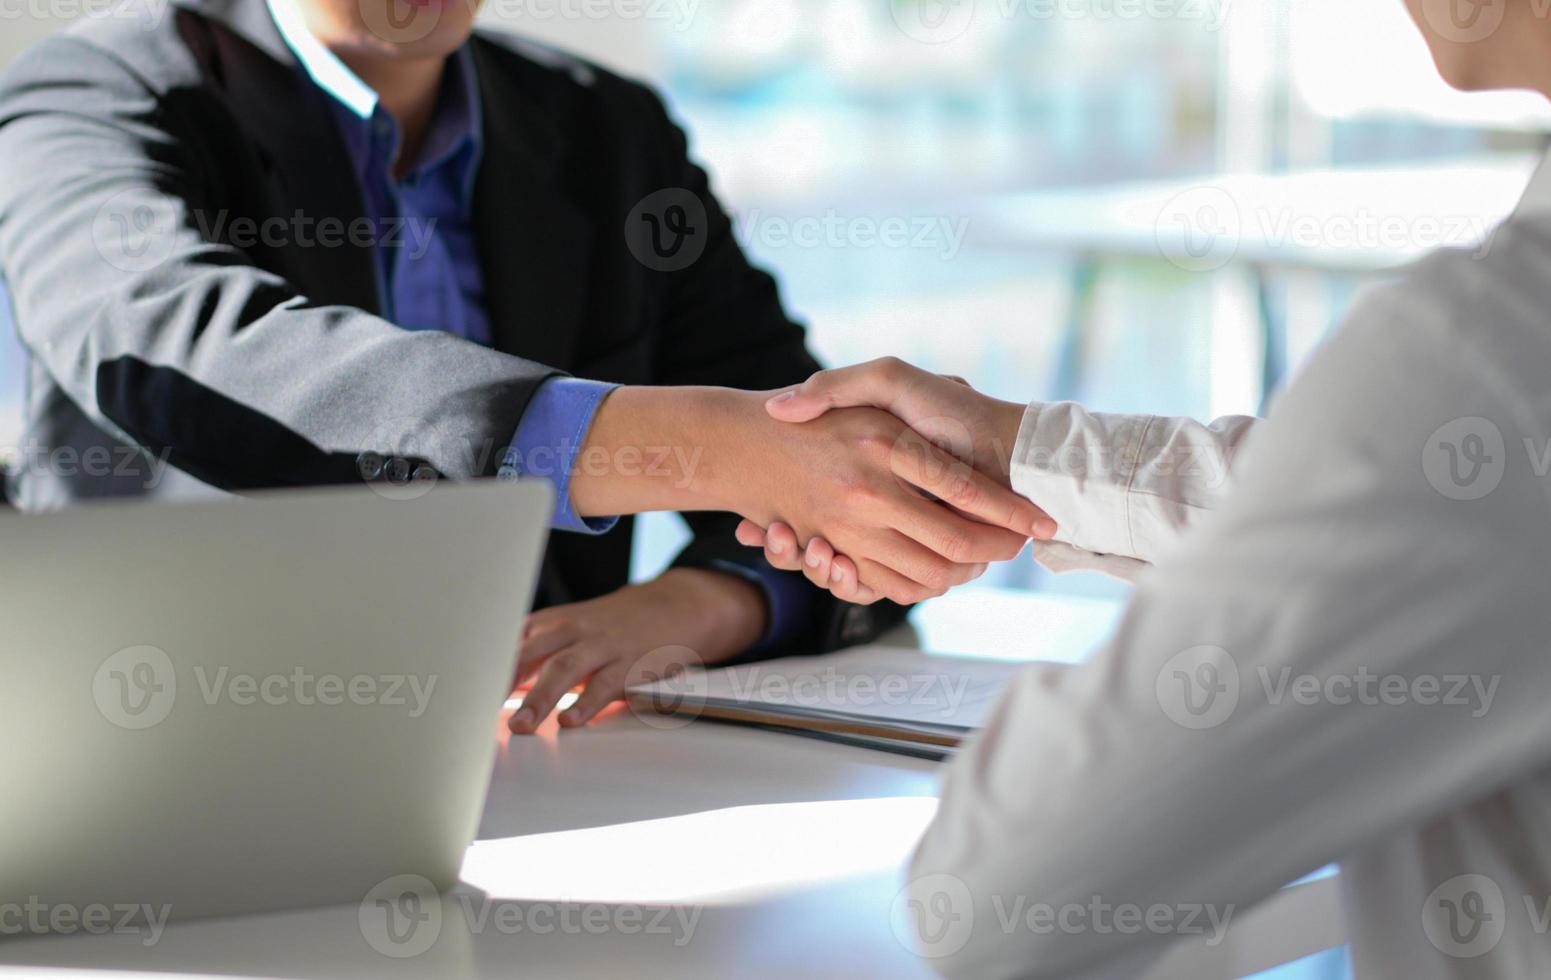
x=885, y=697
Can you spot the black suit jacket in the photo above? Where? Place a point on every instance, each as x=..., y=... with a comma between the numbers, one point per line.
x=160, y=324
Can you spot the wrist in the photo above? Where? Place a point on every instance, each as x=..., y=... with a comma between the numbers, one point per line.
x=728, y=613
x=993, y=455
x=667, y=449
x=733, y=426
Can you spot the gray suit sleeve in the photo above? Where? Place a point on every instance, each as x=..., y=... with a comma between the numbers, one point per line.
x=183, y=344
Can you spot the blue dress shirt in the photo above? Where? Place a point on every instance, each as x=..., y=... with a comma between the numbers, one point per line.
x=429, y=276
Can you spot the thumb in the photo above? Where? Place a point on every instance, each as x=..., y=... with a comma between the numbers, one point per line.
x=862, y=385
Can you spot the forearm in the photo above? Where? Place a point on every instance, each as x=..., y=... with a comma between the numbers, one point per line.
x=663, y=449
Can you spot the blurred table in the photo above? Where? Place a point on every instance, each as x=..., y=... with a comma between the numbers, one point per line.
x=773, y=856
x=1359, y=222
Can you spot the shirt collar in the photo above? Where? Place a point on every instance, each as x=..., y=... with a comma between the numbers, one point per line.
x=457, y=131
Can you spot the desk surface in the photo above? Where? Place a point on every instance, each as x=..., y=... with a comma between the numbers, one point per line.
x=773, y=855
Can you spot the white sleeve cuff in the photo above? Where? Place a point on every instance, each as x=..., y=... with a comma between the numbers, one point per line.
x=1078, y=466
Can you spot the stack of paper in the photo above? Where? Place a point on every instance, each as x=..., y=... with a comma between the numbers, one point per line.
x=882, y=697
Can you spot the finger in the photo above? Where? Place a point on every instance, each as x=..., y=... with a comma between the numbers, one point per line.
x=959, y=381
x=564, y=671
x=603, y=688
x=815, y=562
x=782, y=549
x=902, y=569
x=923, y=565
x=544, y=637
x=846, y=585
x=876, y=383
x=750, y=535
x=890, y=584
x=957, y=539
x=955, y=482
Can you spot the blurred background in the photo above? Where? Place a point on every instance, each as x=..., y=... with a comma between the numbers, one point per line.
x=1148, y=205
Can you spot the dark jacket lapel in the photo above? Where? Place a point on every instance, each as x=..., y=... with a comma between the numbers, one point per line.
x=300, y=146
x=534, y=244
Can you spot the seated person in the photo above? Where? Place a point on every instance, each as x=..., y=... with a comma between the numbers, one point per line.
x=1339, y=655
x=315, y=241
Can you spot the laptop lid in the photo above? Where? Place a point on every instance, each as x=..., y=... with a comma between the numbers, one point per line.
x=255, y=704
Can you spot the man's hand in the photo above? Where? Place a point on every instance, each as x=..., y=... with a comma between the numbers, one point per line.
x=860, y=478
x=945, y=410
x=598, y=642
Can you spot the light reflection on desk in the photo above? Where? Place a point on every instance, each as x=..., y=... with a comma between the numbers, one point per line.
x=726, y=856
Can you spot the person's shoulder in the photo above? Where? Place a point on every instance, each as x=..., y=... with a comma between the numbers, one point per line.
x=557, y=76
x=1452, y=353
x=142, y=45
x=1477, y=313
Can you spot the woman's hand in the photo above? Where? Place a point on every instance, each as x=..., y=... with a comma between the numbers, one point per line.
x=973, y=427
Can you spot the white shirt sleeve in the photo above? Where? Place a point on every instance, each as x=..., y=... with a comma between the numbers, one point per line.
x=1188, y=764
x=1122, y=488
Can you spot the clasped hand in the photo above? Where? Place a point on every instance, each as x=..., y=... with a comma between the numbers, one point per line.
x=968, y=436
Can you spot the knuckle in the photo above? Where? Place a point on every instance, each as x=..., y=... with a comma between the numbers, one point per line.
x=865, y=494
x=873, y=441
x=963, y=492
x=938, y=578
x=958, y=546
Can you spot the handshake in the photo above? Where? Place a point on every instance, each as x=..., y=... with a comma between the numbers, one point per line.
x=876, y=481
x=949, y=509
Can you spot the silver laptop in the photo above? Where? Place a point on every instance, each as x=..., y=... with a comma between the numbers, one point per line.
x=248, y=705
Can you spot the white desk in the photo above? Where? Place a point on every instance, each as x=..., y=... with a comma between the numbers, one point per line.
x=790, y=851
